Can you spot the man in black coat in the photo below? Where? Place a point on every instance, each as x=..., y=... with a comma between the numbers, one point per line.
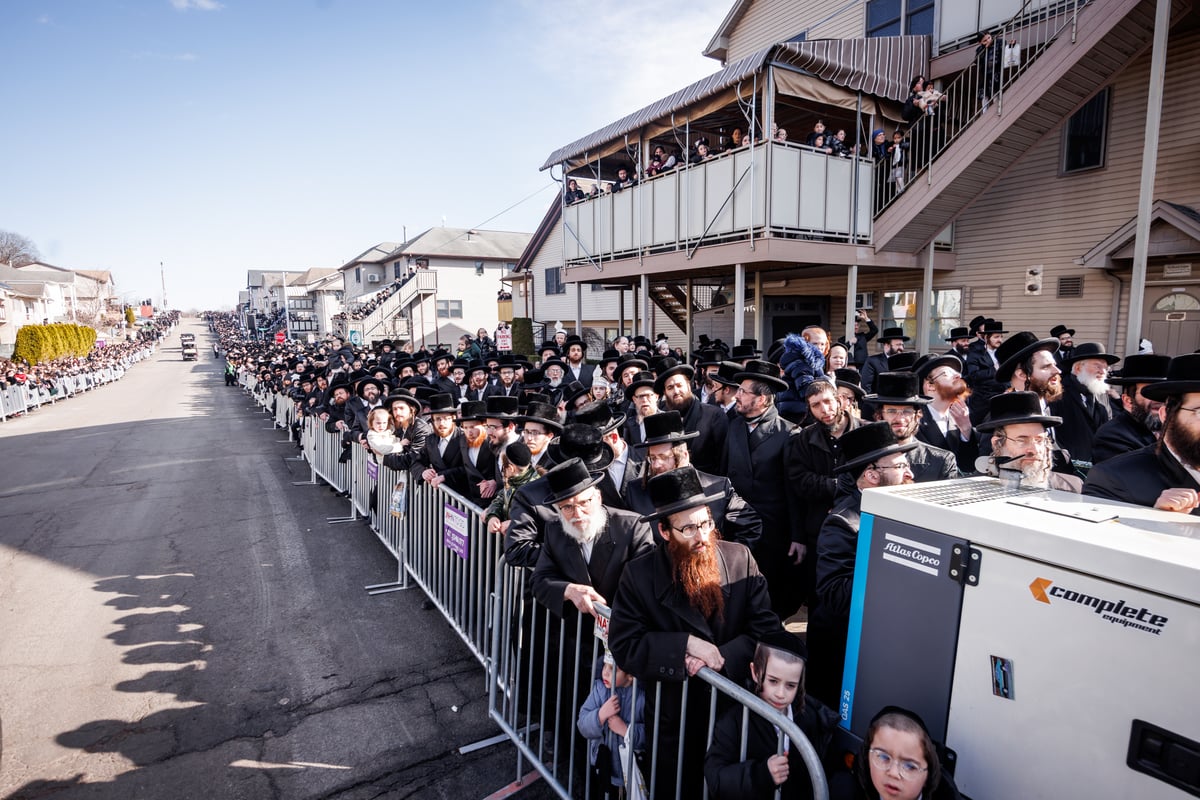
x=899, y=405
x=444, y=457
x=1066, y=342
x=577, y=368
x=1162, y=475
x=946, y=421
x=754, y=462
x=674, y=384
x=411, y=430
x=892, y=341
x=666, y=628
x=873, y=457
x=1084, y=404
x=980, y=369
x=1140, y=425
x=665, y=449
x=478, y=461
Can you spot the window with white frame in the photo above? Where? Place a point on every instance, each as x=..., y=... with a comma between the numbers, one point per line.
x=449, y=309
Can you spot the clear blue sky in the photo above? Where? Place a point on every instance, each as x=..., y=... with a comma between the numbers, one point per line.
x=217, y=137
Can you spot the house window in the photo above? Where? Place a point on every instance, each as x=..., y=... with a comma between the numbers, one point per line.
x=554, y=284
x=1085, y=135
x=900, y=17
x=478, y=267
x=358, y=274
x=449, y=309
x=900, y=311
x=300, y=303
x=397, y=270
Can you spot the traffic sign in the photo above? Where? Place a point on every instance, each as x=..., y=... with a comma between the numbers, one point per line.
x=279, y=337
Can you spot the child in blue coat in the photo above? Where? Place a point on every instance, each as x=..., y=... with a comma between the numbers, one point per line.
x=606, y=717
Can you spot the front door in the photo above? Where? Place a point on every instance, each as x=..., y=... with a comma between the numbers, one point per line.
x=1172, y=322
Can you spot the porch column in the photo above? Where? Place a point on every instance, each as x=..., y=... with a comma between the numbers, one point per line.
x=851, y=295
x=633, y=314
x=579, y=308
x=925, y=305
x=621, y=312
x=758, y=311
x=646, y=306
x=1141, y=241
x=687, y=325
x=739, y=303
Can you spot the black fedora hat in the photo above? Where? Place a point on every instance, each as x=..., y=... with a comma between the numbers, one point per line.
x=926, y=364
x=507, y=360
x=369, y=381
x=765, y=372
x=891, y=334
x=743, y=352
x=1059, y=330
x=709, y=358
x=401, y=397
x=501, y=407
x=665, y=427
x=676, y=490
x=901, y=362
x=599, y=414
x=568, y=479
x=1183, y=377
x=668, y=368
x=545, y=413
x=555, y=361
x=610, y=356
x=868, y=442
x=1018, y=347
x=1014, y=408
x=472, y=410
x=976, y=323
x=574, y=338
x=726, y=374
x=851, y=379
x=477, y=365
x=573, y=391
x=958, y=333
x=1087, y=350
x=991, y=326
x=897, y=389
x=584, y=443
x=1141, y=368
x=441, y=403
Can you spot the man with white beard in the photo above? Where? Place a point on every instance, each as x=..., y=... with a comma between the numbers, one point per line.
x=1021, y=443
x=587, y=547
x=1084, y=404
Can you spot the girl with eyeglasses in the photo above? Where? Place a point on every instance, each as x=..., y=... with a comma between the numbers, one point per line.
x=899, y=761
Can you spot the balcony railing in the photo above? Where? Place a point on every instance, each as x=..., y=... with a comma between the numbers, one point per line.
x=378, y=322
x=770, y=188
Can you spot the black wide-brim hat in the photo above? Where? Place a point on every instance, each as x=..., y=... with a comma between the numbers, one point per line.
x=472, y=410
x=709, y=358
x=891, y=334
x=568, y=479
x=867, y=443
x=897, y=389
x=851, y=379
x=1089, y=350
x=401, y=397
x=675, y=491
x=599, y=414
x=573, y=391
x=1183, y=377
x=958, y=333
x=644, y=379
x=670, y=367
x=765, y=372
x=362, y=383
x=554, y=362
x=1141, y=368
x=1015, y=408
x=501, y=407
x=665, y=427
x=1059, y=330
x=545, y=413
x=901, y=362
x=441, y=403
x=583, y=442
x=1018, y=347
x=726, y=372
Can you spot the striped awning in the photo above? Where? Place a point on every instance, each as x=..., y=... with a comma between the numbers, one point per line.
x=878, y=66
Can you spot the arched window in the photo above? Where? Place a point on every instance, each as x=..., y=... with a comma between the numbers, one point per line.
x=1177, y=301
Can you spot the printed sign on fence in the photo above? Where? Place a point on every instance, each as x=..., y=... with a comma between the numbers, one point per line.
x=454, y=530
x=372, y=470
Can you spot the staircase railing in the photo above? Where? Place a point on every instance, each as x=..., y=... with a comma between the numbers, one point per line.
x=422, y=281
x=977, y=90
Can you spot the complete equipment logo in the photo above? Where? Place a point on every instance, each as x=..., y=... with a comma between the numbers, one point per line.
x=1114, y=611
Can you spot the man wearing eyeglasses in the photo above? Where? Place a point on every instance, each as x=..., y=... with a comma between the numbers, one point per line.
x=898, y=403
x=694, y=602
x=1020, y=438
x=1164, y=475
x=873, y=457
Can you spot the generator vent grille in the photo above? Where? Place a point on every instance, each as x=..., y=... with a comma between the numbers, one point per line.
x=961, y=493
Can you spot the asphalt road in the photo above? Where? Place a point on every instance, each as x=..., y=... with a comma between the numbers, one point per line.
x=178, y=621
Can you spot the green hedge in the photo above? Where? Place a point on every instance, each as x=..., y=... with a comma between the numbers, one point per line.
x=37, y=344
x=522, y=333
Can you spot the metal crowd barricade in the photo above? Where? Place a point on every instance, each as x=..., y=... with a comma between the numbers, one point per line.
x=538, y=679
x=389, y=523
x=362, y=484
x=453, y=558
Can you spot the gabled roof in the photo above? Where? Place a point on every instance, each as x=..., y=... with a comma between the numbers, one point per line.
x=20, y=276
x=313, y=274
x=372, y=255
x=42, y=266
x=548, y=225
x=256, y=278
x=101, y=276
x=1174, y=230
x=720, y=40
x=467, y=243
x=878, y=66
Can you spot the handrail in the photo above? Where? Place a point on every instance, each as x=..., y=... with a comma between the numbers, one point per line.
x=397, y=301
x=980, y=87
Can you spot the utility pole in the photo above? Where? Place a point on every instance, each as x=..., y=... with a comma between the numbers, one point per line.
x=287, y=319
x=162, y=274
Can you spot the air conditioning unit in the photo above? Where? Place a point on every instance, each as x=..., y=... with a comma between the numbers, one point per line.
x=372, y=279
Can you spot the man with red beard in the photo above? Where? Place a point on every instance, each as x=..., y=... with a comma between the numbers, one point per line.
x=946, y=422
x=695, y=602
x=479, y=463
x=1027, y=364
x=873, y=457
x=897, y=403
x=1164, y=475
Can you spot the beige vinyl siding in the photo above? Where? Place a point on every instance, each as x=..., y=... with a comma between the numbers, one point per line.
x=769, y=21
x=1034, y=215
